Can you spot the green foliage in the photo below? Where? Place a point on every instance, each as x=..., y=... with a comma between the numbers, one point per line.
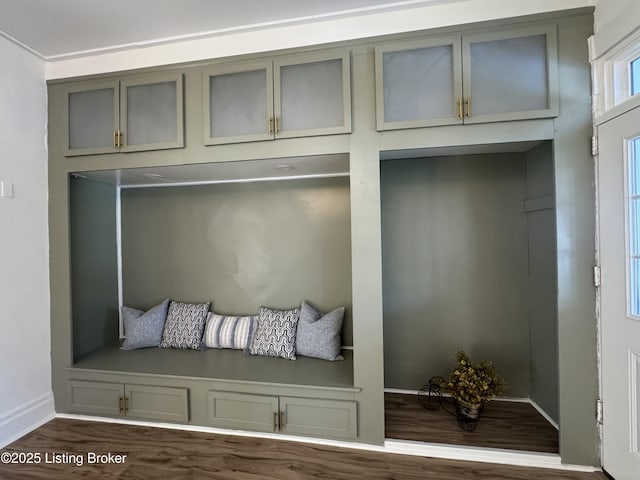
x=473, y=383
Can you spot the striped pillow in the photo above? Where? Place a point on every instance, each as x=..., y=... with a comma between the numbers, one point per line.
x=228, y=332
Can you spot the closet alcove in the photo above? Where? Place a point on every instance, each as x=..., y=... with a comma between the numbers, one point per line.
x=469, y=262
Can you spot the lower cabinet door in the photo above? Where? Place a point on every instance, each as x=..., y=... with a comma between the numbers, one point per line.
x=243, y=411
x=99, y=398
x=157, y=403
x=319, y=418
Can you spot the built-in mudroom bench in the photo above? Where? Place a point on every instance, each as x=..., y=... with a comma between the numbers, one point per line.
x=436, y=184
x=148, y=230
x=218, y=388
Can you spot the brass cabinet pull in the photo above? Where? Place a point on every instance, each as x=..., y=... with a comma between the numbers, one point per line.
x=120, y=134
x=270, y=125
x=281, y=420
x=468, y=103
x=275, y=421
x=126, y=405
x=460, y=107
x=115, y=139
x=121, y=404
x=277, y=125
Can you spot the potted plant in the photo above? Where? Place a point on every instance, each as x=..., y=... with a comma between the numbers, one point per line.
x=471, y=385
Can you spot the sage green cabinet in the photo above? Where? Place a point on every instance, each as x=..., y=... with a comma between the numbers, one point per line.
x=475, y=78
x=292, y=96
x=289, y=415
x=319, y=418
x=130, y=400
x=128, y=115
x=259, y=413
x=238, y=102
x=418, y=83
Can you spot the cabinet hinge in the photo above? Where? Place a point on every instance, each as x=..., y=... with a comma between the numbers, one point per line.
x=596, y=276
x=594, y=145
x=599, y=412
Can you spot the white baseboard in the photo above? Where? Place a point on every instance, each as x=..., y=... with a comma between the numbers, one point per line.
x=402, y=447
x=445, y=394
x=400, y=390
x=482, y=454
x=545, y=414
x=23, y=419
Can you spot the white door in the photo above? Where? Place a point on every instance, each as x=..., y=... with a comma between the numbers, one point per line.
x=619, y=219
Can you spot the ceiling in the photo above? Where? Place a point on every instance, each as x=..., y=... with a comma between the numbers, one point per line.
x=225, y=172
x=62, y=28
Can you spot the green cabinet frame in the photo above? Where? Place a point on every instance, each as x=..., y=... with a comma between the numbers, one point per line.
x=291, y=96
x=290, y=415
x=130, y=400
x=101, y=116
x=513, y=94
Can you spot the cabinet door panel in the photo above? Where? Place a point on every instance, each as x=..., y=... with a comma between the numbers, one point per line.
x=151, y=113
x=319, y=418
x=157, y=403
x=91, y=118
x=418, y=84
x=510, y=75
x=239, y=104
x=243, y=411
x=313, y=98
x=97, y=398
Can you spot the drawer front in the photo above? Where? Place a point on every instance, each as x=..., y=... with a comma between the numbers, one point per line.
x=243, y=411
x=99, y=398
x=157, y=403
x=319, y=418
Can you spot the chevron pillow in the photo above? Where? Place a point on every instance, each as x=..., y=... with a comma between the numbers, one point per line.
x=275, y=334
x=184, y=325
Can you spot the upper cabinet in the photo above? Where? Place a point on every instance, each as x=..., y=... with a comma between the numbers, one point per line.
x=418, y=83
x=475, y=78
x=289, y=97
x=139, y=113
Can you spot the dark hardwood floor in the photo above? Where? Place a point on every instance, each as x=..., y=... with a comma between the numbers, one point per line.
x=153, y=453
x=510, y=425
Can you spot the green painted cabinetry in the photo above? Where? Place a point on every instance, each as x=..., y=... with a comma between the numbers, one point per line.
x=318, y=418
x=291, y=96
x=491, y=76
x=289, y=415
x=133, y=114
x=130, y=400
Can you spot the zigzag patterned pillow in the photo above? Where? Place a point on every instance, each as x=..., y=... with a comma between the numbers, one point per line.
x=184, y=325
x=275, y=334
x=228, y=332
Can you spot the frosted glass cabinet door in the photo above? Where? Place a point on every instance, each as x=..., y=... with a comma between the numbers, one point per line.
x=510, y=75
x=151, y=114
x=91, y=118
x=418, y=84
x=238, y=104
x=312, y=95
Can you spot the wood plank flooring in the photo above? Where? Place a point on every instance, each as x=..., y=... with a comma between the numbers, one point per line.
x=155, y=453
x=510, y=425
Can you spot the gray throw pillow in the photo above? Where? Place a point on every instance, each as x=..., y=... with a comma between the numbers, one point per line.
x=144, y=329
x=319, y=334
x=184, y=325
x=275, y=333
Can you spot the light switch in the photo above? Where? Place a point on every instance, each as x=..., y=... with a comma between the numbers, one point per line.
x=6, y=189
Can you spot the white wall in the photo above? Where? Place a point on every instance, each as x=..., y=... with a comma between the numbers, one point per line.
x=25, y=377
x=613, y=20
x=437, y=14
